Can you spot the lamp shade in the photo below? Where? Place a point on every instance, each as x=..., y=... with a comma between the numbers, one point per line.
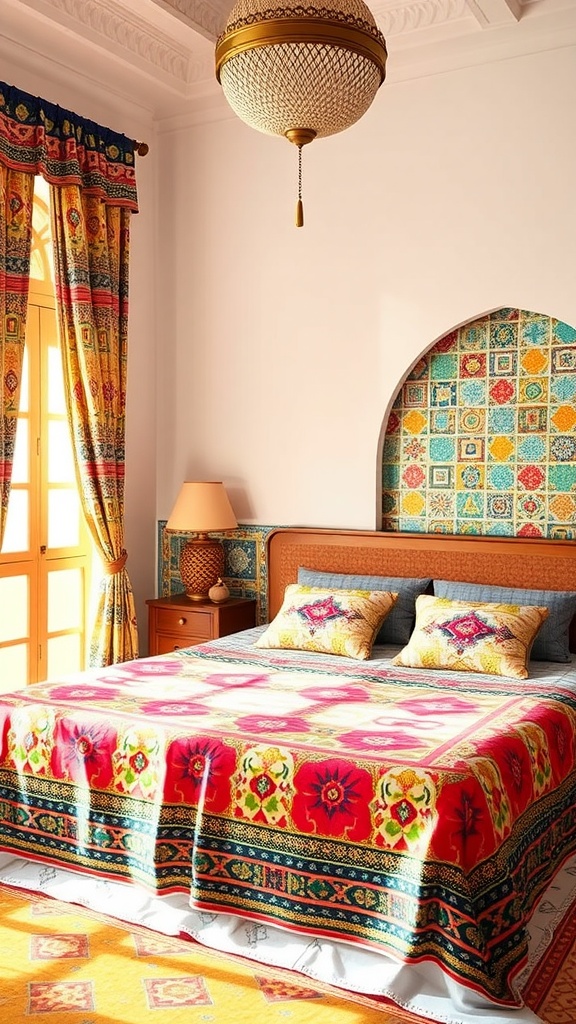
x=296, y=68
x=202, y=507
x=300, y=71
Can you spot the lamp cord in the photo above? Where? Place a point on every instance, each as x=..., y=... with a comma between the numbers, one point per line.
x=299, y=206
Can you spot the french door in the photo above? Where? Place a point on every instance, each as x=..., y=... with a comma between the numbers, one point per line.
x=46, y=554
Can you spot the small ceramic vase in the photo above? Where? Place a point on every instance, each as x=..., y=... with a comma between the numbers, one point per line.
x=219, y=592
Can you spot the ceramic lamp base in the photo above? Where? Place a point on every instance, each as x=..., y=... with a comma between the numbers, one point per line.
x=201, y=563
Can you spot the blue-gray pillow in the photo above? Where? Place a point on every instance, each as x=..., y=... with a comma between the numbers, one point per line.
x=398, y=624
x=552, y=642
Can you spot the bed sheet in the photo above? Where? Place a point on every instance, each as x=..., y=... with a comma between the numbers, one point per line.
x=240, y=647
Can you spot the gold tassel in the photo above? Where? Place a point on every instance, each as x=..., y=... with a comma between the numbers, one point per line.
x=299, y=206
x=300, y=137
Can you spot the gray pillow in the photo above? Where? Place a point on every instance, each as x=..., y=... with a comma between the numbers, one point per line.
x=552, y=642
x=398, y=624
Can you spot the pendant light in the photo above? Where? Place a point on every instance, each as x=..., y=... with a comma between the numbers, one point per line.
x=300, y=72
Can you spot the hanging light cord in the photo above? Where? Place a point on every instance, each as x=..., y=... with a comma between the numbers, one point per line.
x=299, y=206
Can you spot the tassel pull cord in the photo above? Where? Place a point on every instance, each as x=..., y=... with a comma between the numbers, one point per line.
x=299, y=205
x=300, y=137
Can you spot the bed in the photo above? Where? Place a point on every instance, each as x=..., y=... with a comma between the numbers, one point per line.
x=373, y=823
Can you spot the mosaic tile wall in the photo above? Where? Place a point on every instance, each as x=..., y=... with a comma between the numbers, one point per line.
x=482, y=435
x=245, y=567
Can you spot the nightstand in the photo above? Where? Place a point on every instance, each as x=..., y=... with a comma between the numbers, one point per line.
x=176, y=621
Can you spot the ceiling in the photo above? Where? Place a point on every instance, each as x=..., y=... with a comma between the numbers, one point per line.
x=159, y=54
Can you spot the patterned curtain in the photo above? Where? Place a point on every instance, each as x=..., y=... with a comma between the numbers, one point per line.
x=91, y=247
x=16, y=198
x=91, y=171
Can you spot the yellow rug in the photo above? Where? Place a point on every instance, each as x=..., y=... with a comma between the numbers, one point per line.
x=66, y=965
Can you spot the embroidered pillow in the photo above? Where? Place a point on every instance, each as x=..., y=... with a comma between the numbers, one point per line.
x=553, y=640
x=328, y=621
x=472, y=636
x=398, y=625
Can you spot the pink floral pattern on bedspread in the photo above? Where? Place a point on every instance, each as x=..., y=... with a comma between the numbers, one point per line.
x=414, y=813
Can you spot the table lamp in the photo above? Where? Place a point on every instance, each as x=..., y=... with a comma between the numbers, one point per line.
x=202, y=507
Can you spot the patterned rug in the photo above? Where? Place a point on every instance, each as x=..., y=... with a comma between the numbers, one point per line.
x=551, y=989
x=59, y=962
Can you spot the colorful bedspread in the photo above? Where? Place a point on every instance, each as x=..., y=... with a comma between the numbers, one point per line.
x=418, y=814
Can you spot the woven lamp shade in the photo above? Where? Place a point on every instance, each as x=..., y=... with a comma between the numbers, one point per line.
x=294, y=67
x=300, y=72
x=202, y=506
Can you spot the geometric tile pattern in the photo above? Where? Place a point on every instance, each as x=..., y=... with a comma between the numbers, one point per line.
x=245, y=568
x=481, y=438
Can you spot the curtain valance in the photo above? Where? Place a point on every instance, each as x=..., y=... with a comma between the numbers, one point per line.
x=39, y=137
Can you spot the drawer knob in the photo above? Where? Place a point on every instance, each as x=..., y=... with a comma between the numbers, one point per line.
x=176, y=647
x=182, y=621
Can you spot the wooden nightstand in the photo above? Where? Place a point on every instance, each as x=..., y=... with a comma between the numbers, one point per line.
x=176, y=621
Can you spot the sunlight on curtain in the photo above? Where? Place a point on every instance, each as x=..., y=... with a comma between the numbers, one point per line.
x=16, y=203
x=91, y=244
x=90, y=169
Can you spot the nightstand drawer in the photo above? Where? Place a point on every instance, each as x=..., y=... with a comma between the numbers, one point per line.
x=188, y=622
x=166, y=643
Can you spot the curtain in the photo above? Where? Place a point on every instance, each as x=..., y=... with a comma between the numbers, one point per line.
x=91, y=171
x=16, y=199
x=91, y=246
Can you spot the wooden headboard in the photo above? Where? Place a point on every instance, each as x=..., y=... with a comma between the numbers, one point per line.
x=503, y=561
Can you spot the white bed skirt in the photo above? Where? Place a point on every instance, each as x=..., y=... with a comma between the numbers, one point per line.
x=421, y=989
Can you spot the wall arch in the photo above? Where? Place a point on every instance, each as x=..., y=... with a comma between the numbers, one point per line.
x=481, y=437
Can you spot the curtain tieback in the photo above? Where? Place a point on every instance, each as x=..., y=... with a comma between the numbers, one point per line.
x=111, y=568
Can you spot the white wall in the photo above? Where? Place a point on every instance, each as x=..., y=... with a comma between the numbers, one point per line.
x=283, y=347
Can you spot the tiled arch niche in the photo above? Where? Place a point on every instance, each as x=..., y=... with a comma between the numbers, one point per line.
x=481, y=438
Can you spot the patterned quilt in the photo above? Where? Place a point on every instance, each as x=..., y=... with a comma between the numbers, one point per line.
x=421, y=814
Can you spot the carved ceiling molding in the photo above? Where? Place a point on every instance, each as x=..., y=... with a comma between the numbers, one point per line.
x=198, y=13
x=142, y=43
x=130, y=35
x=406, y=16
x=139, y=38
x=418, y=14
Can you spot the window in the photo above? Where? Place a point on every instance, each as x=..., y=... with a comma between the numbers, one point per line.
x=46, y=555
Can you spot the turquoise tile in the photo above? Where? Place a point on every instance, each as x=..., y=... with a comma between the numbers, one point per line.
x=563, y=334
x=442, y=449
x=443, y=366
x=499, y=528
x=500, y=477
x=562, y=477
x=473, y=392
x=563, y=388
x=535, y=332
x=502, y=420
x=390, y=476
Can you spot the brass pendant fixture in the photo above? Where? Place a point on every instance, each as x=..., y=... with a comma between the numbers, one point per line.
x=300, y=72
